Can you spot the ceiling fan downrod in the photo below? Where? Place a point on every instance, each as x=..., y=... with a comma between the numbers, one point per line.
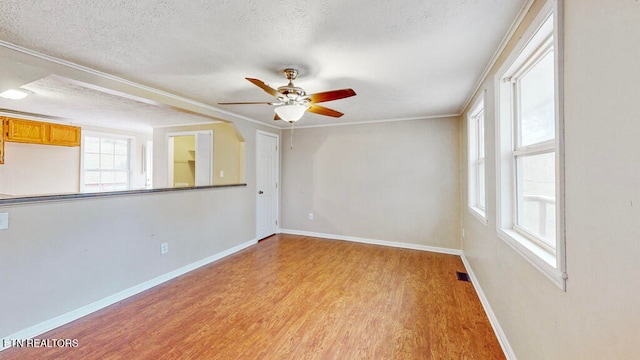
x=291, y=74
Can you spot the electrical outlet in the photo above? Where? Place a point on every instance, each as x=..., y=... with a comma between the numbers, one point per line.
x=310, y=216
x=462, y=232
x=4, y=221
x=221, y=173
x=164, y=248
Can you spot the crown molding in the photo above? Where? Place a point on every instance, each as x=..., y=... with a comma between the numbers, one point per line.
x=376, y=121
x=503, y=44
x=179, y=100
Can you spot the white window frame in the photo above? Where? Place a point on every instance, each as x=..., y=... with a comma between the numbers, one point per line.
x=551, y=262
x=476, y=140
x=104, y=135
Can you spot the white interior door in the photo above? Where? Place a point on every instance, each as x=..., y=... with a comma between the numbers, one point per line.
x=203, y=155
x=148, y=165
x=267, y=173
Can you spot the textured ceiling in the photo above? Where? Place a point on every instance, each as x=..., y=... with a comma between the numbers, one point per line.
x=62, y=99
x=404, y=58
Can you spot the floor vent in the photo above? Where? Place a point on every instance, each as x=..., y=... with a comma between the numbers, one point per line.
x=463, y=276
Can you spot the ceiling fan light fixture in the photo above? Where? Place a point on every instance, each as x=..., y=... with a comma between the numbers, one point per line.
x=291, y=112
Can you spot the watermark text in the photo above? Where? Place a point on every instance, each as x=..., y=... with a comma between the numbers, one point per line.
x=40, y=343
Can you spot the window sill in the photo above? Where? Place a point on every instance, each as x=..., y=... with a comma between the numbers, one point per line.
x=541, y=259
x=478, y=214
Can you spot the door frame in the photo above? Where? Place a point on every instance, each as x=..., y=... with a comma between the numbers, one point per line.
x=277, y=194
x=169, y=148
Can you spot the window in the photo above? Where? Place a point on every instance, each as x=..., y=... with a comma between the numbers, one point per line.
x=105, y=163
x=530, y=172
x=476, y=168
x=535, y=148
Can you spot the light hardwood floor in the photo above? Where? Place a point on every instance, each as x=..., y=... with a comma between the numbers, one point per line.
x=293, y=297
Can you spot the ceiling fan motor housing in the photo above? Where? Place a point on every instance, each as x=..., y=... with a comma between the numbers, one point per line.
x=290, y=91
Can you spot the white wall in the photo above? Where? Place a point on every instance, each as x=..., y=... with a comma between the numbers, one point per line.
x=59, y=256
x=395, y=181
x=35, y=169
x=597, y=317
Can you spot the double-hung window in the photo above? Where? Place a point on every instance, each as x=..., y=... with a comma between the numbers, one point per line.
x=529, y=123
x=534, y=152
x=106, y=164
x=476, y=169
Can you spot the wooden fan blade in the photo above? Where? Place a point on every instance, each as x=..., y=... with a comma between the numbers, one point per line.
x=259, y=83
x=321, y=110
x=331, y=95
x=246, y=103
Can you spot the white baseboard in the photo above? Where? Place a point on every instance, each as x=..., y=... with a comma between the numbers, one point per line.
x=497, y=329
x=374, y=242
x=66, y=318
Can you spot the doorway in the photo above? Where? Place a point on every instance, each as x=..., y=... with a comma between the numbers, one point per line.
x=190, y=156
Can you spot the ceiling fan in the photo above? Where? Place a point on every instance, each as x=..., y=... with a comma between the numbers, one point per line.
x=293, y=101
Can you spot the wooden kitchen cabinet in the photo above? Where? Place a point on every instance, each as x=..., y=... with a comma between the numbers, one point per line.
x=38, y=132
x=25, y=131
x=64, y=135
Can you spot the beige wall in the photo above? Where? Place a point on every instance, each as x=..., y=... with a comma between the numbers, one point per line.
x=228, y=155
x=597, y=317
x=59, y=256
x=395, y=181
